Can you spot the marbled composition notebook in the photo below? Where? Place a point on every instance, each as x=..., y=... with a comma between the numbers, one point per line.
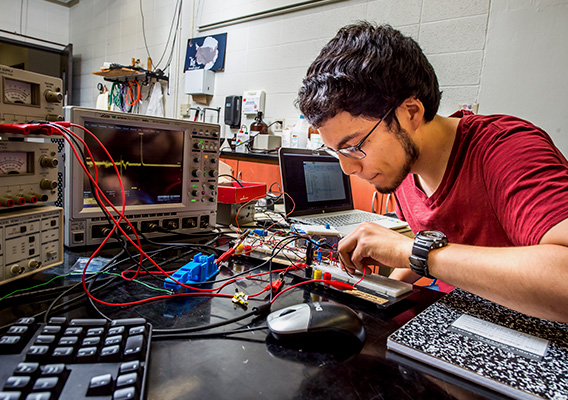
x=509, y=352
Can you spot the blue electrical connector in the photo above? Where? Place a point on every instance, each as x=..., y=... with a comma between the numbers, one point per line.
x=201, y=269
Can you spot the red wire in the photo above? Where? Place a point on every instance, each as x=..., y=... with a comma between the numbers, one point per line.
x=130, y=93
x=122, y=217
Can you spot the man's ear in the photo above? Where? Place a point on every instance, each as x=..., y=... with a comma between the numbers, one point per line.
x=414, y=111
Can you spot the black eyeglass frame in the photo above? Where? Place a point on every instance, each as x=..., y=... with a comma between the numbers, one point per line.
x=351, y=150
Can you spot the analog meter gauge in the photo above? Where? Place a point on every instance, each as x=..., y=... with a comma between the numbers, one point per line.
x=19, y=92
x=14, y=162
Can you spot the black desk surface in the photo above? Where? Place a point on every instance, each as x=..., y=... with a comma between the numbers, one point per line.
x=250, y=365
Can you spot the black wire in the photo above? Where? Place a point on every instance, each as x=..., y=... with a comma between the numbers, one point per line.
x=88, y=279
x=233, y=178
x=255, y=311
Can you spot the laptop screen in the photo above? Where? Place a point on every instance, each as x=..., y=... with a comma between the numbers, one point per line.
x=315, y=181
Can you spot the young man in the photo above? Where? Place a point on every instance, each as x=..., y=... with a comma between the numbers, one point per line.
x=488, y=194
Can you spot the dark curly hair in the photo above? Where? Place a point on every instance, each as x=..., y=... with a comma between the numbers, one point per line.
x=366, y=70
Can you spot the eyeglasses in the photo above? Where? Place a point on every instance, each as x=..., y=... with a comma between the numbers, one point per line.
x=354, y=151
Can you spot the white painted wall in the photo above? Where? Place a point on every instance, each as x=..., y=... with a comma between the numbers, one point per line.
x=508, y=55
x=36, y=18
x=525, y=70
x=273, y=54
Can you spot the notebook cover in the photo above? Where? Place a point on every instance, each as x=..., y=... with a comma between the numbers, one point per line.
x=489, y=344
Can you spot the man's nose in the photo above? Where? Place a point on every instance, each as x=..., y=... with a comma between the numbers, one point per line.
x=350, y=166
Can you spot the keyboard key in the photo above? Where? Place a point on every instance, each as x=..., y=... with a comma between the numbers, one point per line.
x=131, y=366
x=117, y=339
x=63, y=354
x=124, y=394
x=137, y=330
x=27, y=368
x=110, y=353
x=100, y=385
x=37, y=353
x=17, y=383
x=51, y=330
x=87, y=354
x=117, y=330
x=19, y=330
x=50, y=384
x=87, y=322
x=51, y=362
x=53, y=370
x=39, y=396
x=68, y=341
x=91, y=341
x=45, y=339
x=133, y=347
x=95, y=331
x=10, y=395
x=11, y=344
x=127, y=380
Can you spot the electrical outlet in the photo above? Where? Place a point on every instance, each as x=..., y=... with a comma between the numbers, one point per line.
x=473, y=107
x=278, y=124
x=184, y=109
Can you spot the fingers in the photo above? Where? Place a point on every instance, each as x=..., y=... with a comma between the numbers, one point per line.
x=351, y=253
x=361, y=248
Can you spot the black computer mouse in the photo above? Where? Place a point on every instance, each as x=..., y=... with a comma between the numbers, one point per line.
x=317, y=325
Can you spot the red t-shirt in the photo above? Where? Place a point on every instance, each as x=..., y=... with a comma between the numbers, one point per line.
x=506, y=184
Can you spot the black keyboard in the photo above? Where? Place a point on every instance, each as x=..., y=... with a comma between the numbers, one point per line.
x=75, y=359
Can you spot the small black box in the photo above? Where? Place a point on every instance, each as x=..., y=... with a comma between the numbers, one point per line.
x=233, y=111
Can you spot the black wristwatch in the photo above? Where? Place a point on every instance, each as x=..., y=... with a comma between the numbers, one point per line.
x=425, y=241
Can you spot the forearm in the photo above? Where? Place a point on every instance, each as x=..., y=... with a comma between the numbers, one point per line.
x=533, y=279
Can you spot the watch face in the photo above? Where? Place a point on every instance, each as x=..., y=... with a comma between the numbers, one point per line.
x=432, y=235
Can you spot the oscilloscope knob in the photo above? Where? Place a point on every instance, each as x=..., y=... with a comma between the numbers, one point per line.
x=213, y=160
x=17, y=269
x=48, y=162
x=53, y=97
x=47, y=184
x=195, y=193
x=197, y=173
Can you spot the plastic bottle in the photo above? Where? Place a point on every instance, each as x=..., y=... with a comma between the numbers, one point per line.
x=242, y=140
x=299, y=135
x=258, y=126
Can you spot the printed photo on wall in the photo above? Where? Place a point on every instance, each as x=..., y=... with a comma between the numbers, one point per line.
x=206, y=52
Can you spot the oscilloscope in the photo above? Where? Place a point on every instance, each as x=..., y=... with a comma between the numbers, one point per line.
x=168, y=168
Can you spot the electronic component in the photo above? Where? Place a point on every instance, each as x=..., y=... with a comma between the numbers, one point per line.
x=168, y=167
x=201, y=269
x=31, y=240
x=28, y=96
x=28, y=173
x=75, y=359
x=240, y=298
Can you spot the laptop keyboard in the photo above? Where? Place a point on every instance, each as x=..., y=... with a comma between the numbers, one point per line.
x=352, y=218
x=75, y=359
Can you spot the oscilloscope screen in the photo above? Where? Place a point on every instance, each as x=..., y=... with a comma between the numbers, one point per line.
x=149, y=162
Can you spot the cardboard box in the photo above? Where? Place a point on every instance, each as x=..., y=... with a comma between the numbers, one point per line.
x=235, y=194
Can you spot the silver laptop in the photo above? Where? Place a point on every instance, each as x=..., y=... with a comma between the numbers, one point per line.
x=321, y=192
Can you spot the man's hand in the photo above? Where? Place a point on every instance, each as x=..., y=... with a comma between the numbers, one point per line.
x=372, y=244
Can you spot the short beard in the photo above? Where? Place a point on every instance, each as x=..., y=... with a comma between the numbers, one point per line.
x=411, y=155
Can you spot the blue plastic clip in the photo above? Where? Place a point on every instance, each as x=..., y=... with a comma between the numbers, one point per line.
x=200, y=270
x=294, y=229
